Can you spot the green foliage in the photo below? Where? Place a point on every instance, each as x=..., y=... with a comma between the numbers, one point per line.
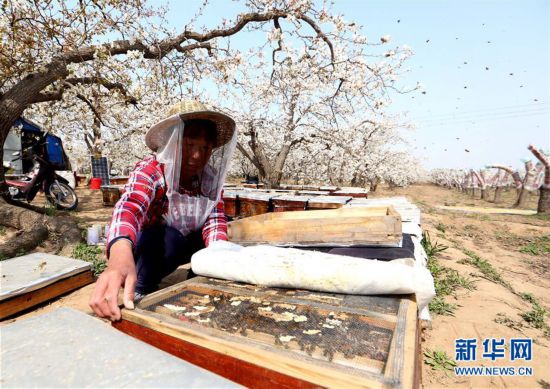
x=450, y=281
x=439, y=360
x=536, y=316
x=507, y=237
x=540, y=216
x=3, y=257
x=92, y=254
x=431, y=248
x=486, y=268
x=2, y=230
x=438, y=306
x=50, y=210
x=505, y=320
x=528, y=297
x=440, y=227
x=446, y=281
x=540, y=246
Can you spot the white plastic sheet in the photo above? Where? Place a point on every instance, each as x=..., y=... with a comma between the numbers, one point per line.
x=293, y=268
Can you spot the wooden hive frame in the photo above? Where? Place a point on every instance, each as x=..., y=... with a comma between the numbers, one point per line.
x=255, y=364
x=344, y=226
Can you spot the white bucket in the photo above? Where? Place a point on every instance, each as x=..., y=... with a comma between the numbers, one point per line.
x=92, y=236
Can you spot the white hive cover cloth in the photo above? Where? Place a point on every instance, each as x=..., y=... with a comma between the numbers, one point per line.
x=292, y=268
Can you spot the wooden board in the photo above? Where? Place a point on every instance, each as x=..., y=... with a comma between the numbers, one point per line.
x=291, y=338
x=32, y=279
x=338, y=227
x=327, y=202
x=66, y=348
x=409, y=212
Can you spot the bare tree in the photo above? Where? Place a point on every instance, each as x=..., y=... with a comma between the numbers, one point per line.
x=544, y=199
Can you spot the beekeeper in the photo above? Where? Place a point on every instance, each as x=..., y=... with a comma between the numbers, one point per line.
x=171, y=207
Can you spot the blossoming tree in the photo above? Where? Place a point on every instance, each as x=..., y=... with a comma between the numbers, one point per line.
x=51, y=50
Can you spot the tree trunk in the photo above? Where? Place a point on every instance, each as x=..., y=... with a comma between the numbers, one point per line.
x=544, y=201
x=498, y=195
x=373, y=184
x=34, y=228
x=31, y=226
x=522, y=198
x=485, y=194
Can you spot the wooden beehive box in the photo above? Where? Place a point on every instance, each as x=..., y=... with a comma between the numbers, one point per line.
x=327, y=202
x=111, y=194
x=335, y=227
x=311, y=187
x=329, y=188
x=313, y=193
x=66, y=348
x=231, y=203
x=122, y=180
x=285, y=203
x=253, y=203
x=31, y=279
x=352, y=192
x=261, y=337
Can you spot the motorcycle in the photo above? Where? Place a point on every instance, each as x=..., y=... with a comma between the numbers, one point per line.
x=42, y=178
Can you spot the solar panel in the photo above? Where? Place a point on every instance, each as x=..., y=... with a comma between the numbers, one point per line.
x=100, y=169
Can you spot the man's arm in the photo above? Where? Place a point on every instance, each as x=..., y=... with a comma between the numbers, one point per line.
x=128, y=217
x=215, y=226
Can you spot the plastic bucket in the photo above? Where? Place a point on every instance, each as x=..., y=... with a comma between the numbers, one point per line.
x=95, y=183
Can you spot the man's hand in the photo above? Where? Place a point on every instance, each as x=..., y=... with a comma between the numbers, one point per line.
x=121, y=271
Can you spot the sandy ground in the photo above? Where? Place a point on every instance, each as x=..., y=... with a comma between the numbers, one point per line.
x=489, y=311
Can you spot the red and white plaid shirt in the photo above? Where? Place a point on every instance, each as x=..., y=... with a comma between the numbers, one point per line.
x=144, y=202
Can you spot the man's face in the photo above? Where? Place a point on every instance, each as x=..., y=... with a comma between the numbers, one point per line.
x=196, y=153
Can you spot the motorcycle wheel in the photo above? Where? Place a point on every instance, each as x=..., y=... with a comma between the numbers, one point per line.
x=62, y=196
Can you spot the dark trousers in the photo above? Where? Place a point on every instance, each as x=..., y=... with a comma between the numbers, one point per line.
x=159, y=251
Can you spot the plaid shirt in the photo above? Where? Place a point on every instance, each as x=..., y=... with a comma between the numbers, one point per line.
x=144, y=202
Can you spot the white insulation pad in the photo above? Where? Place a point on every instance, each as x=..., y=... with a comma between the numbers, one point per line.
x=292, y=268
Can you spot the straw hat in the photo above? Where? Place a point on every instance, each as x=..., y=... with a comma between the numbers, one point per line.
x=159, y=134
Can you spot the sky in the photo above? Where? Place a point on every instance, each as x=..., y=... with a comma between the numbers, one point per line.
x=484, y=67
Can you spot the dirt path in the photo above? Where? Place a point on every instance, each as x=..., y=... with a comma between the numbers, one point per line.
x=494, y=308
x=506, y=245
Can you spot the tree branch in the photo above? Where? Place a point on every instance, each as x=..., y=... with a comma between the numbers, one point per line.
x=103, y=82
x=165, y=46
